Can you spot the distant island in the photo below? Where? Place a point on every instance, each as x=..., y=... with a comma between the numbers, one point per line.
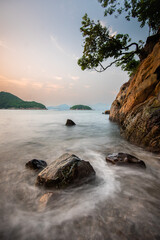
x=60, y=107
x=10, y=101
x=80, y=107
x=97, y=107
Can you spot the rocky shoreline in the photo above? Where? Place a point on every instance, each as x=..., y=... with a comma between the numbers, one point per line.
x=69, y=171
x=137, y=106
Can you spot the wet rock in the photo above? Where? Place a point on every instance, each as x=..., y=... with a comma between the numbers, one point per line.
x=107, y=112
x=44, y=200
x=36, y=164
x=69, y=122
x=65, y=171
x=50, y=199
x=137, y=106
x=125, y=159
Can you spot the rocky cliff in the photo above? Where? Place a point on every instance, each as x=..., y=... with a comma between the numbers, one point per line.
x=137, y=106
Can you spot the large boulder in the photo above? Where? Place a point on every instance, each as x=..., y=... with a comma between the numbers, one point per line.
x=36, y=164
x=65, y=171
x=125, y=159
x=137, y=106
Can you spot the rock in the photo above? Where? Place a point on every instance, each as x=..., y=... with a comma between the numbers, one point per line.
x=36, y=164
x=125, y=159
x=107, y=112
x=65, y=171
x=137, y=106
x=50, y=199
x=70, y=123
x=44, y=200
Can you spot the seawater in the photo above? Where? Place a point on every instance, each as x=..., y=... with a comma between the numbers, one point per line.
x=124, y=203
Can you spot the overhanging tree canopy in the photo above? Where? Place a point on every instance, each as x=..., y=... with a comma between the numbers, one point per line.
x=146, y=11
x=100, y=45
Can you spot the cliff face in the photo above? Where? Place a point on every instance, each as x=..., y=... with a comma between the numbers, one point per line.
x=137, y=106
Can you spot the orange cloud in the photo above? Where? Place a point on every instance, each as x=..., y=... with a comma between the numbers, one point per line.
x=52, y=86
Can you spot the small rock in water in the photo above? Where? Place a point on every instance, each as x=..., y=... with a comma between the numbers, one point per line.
x=107, y=112
x=44, y=200
x=65, y=171
x=125, y=159
x=36, y=164
x=70, y=123
x=49, y=199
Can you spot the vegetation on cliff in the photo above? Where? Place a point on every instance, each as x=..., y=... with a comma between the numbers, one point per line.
x=80, y=107
x=100, y=45
x=10, y=101
x=137, y=105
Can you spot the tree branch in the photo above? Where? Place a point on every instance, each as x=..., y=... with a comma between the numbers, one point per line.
x=104, y=68
x=137, y=47
x=101, y=66
x=117, y=60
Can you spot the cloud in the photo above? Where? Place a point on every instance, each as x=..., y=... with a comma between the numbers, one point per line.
x=103, y=23
x=74, y=78
x=29, y=83
x=23, y=82
x=56, y=44
x=26, y=79
x=111, y=32
x=5, y=46
x=37, y=85
x=71, y=85
x=87, y=86
x=58, y=78
x=6, y=81
x=53, y=86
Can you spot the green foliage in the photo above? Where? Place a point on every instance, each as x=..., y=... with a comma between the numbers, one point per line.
x=100, y=45
x=130, y=66
x=80, y=107
x=145, y=11
x=8, y=100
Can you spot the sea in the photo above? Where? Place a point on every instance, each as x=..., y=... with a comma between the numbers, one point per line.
x=123, y=204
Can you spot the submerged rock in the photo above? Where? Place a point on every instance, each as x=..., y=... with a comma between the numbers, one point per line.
x=44, y=200
x=36, y=164
x=125, y=159
x=69, y=122
x=65, y=171
x=50, y=199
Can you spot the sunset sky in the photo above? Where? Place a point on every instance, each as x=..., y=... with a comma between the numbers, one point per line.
x=40, y=43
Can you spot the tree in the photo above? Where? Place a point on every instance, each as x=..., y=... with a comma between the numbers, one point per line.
x=100, y=45
x=146, y=11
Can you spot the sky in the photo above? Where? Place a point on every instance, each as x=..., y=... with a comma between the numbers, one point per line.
x=40, y=43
